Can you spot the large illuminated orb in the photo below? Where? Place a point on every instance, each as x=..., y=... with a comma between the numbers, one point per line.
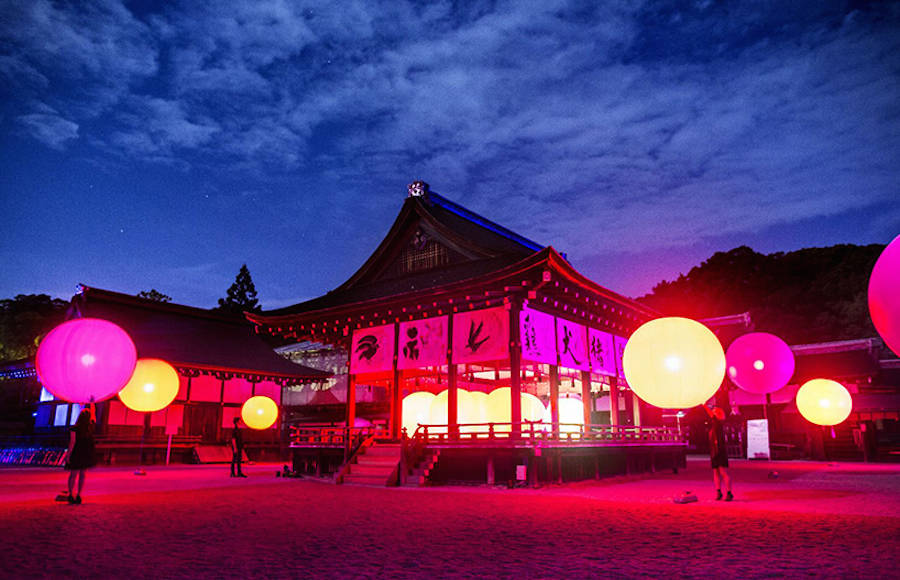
x=471, y=410
x=86, y=359
x=152, y=387
x=499, y=408
x=259, y=412
x=884, y=295
x=824, y=402
x=674, y=363
x=416, y=409
x=760, y=362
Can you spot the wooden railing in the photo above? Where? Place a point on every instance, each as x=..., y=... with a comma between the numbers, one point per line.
x=534, y=432
x=348, y=438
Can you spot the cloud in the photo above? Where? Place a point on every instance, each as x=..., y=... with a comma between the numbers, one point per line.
x=49, y=128
x=554, y=118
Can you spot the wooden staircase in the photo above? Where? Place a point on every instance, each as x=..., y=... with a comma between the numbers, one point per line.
x=376, y=465
x=419, y=474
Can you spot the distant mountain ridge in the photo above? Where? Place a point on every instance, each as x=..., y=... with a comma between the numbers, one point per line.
x=804, y=296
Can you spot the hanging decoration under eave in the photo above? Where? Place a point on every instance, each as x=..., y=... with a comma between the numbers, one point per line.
x=481, y=335
x=537, y=336
x=423, y=343
x=372, y=349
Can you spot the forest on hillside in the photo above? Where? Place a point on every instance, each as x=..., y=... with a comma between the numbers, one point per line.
x=805, y=296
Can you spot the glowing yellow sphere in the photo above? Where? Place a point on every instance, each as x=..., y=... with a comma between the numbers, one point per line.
x=532, y=408
x=824, y=402
x=674, y=363
x=259, y=412
x=472, y=408
x=416, y=410
x=152, y=386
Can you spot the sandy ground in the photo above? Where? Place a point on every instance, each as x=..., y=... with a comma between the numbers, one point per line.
x=813, y=520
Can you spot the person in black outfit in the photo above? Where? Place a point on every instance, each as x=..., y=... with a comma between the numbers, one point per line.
x=80, y=454
x=237, y=450
x=718, y=453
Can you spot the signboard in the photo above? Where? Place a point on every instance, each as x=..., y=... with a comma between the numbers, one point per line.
x=571, y=345
x=372, y=349
x=619, y=344
x=601, y=352
x=758, y=439
x=537, y=334
x=423, y=343
x=481, y=335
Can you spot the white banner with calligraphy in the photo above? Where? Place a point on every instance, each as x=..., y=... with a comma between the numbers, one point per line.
x=423, y=343
x=620, y=353
x=571, y=344
x=372, y=349
x=481, y=335
x=601, y=352
x=537, y=333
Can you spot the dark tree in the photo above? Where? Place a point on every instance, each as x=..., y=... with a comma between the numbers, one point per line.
x=241, y=295
x=155, y=295
x=810, y=295
x=24, y=320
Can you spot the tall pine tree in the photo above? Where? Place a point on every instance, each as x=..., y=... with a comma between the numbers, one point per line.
x=241, y=295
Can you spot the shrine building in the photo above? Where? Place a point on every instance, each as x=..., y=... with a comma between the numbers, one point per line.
x=464, y=337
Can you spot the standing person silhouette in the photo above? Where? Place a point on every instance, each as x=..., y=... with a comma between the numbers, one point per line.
x=80, y=454
x=237, y=450
x=718, y=453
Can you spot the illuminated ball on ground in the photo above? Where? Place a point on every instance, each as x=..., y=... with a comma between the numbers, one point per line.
x=760, y=362
x=259, y=412
x=152, y=387
x=884, y=295
x=824, y=402
x=416, y=409
x=84, y=360
x=674, y=363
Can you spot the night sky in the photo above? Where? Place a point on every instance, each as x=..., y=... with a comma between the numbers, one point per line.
x=161, y=145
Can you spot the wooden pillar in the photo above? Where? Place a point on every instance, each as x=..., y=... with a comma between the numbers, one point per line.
x=515, y=369
x=490, y=469
x=351, y=400
x=636, y=402
x=629, y=409
x=452, y=402
x=586, y=396
x=554, y=400
x=614, y=401
x=396, y=421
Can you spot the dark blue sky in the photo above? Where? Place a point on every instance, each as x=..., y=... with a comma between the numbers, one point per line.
x=161, y=145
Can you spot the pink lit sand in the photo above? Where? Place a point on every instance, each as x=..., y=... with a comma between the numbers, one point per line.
x=815, y=520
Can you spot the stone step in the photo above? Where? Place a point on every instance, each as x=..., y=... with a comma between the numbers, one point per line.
x=365, y=469
x=379, y=480
x=383, y=451
x=364, y=460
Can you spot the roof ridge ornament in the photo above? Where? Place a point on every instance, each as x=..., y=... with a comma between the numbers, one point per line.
x=417, y=188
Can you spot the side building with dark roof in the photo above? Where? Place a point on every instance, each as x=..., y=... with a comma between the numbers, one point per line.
x=221, y=362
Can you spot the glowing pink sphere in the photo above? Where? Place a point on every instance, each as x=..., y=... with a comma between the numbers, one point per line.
x=86, y=359
x=884, y=295
x=760, y=362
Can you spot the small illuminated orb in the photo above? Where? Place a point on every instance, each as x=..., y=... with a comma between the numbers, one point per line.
x=674, y=363
x=86, y=359
x=824, y=402
x=760, y=362
x=152, y=387
x=259, y=412
x=416, y=409
x=884, y=295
